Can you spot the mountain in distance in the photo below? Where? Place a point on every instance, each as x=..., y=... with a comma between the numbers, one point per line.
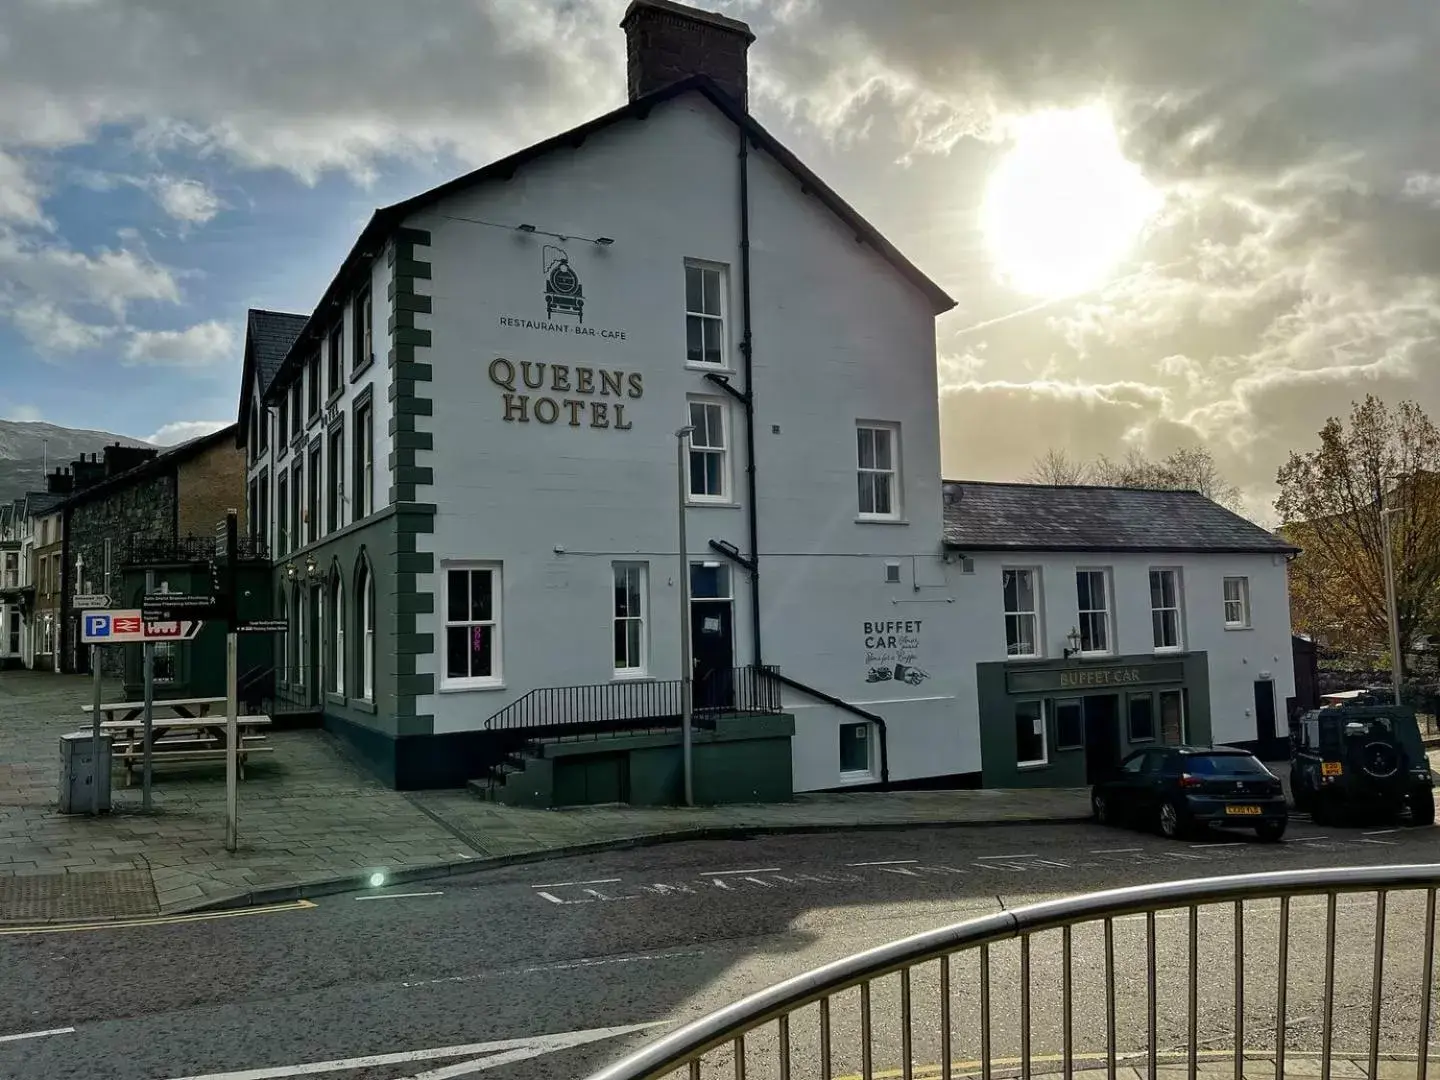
x=26, y=448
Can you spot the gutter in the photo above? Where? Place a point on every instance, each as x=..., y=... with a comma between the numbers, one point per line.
x=854, y=710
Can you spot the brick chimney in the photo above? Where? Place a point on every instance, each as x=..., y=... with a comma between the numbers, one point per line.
x=86, y=472
x=666, y=42
x=60, y=482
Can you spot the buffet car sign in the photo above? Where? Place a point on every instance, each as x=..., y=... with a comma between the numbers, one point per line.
x=575, y=395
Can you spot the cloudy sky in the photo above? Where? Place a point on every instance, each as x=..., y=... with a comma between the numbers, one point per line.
x=1165, y=221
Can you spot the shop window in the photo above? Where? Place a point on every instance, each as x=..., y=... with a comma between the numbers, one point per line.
x=1022, y=612
x=1165, y=609
x=629, y=615
x=1069, y=724
x=1092, y=589
x=472, y=626
x=1030, y=743
x=856, y=762
x=1172, y=717
x=1141, y=717
x=878, y=474
x=1237, y=603
x=704, y=315
x=709, y=456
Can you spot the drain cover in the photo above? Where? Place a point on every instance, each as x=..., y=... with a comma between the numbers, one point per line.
x=108, y=894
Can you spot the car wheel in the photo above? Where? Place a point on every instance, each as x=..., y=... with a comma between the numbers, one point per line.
x=1270, y=831
x=1100, y=808
x=1172, y=820
x=1422, y=808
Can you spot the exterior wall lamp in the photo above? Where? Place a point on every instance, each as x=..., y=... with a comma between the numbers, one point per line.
x=311, y=573
x=1072, y=640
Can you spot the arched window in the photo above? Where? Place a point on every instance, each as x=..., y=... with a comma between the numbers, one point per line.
x=337, y=634
x=301, y=657
x=365, y=604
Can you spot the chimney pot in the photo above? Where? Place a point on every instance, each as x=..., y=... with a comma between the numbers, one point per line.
x=666, y=42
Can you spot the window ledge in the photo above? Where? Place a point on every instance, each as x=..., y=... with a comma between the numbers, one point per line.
x=1023, y=659
x=362, y=705
x=857, y=778
x=335, y=395
x=334, y=698
x=1237, y=626
x=718, y=369
x=469, y=688
x=1032, y=766
x=1170, y=650
x=718, y=504
x=312, y=419
x=862, y=519
x=361, y=369
x=628, y=676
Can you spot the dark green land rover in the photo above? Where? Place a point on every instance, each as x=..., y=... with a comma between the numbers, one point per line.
x=1360, y=759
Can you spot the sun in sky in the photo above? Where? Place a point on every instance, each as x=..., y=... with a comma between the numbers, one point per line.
x=1064, y=207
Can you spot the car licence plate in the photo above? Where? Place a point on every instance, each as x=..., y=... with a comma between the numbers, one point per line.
x=1247, y=811
x=1331, y=768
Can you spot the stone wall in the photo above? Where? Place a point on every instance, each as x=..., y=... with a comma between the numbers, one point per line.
x=141, y=510
x=210, y=484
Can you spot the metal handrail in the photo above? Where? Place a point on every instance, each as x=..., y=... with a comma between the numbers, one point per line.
x=687, y=1045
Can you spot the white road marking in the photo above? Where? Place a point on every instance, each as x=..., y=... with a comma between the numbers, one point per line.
x=559, y=965
x=563, y=884
x=35, y=1034
x=1027, y=855
x=1226, y=843
x=399, y=895
x=1379, y=832
x=1362, y=840
x=724, y=873
x=1302, y=839
x=884, y=862
x=1115, y=850
x=504, y=1048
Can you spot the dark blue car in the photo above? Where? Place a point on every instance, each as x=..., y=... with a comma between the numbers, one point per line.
x=1181, y=789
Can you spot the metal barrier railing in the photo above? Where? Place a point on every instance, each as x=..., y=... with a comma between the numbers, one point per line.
x=997, y=984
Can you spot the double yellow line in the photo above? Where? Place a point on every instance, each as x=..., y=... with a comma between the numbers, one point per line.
x=160, y=920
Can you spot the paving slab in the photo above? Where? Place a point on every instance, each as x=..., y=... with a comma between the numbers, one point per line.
x=312, y=821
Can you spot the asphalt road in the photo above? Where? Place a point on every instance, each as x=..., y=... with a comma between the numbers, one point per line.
x=544, y=970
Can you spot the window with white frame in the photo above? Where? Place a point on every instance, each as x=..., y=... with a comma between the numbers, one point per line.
x=857, y=759
x=1092, y=594
x=365, y=595
x=302, y=659
x=1165, y=609
x=284, y=642
x=335, y=491
x=362, y=314
x=364, y=460
x=472, y=626
x=1031, y=745
x=312, y=494
x=337, y=635
x=1237, y=603
x=709, y=460
x=878, y=475
x=335, y=352
x=629, y=613
x=1022, y=612
x=704, y=315
x=47, y=636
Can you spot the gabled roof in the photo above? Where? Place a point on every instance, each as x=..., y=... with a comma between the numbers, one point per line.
x=386, y=220
x=1041, y=517
x=38, y=502
x=160, y=463
x=268, y=337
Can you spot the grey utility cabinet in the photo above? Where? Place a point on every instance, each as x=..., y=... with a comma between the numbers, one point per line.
x=79, y=772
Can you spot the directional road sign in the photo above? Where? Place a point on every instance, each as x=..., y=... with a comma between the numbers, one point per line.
x=91, y=601
x=170, y=607
x=123, y=627
x=262, y=626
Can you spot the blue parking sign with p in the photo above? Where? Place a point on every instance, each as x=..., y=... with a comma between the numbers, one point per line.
x=97, y=626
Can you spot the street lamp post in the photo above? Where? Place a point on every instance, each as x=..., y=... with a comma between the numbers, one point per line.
x=1391, y=610
x=682, y=438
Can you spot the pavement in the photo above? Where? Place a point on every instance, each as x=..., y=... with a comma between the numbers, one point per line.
x=552, y=970
x=313, y=822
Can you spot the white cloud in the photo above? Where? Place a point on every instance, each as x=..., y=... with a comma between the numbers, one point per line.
x=188, y=201
x=182, y=431
x=25, y=414
x=20, y=193
x=196, y=346
x=58, y=274
x=53, y=331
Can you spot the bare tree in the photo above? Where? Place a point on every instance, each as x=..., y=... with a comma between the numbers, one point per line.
x=1058, y=469
x=1331, y=500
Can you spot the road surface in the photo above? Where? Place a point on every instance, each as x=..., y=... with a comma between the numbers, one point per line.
x=550, y=969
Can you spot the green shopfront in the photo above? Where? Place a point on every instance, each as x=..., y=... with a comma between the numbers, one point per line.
x=1065, y=723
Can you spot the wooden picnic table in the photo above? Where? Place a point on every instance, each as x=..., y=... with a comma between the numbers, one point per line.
x=185, y=708
x=186, y=739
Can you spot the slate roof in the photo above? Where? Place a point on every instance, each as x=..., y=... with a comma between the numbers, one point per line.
x=162, y=462
x=384, y=221
x=39, y=502
x=1041, y=517
x=268, y=337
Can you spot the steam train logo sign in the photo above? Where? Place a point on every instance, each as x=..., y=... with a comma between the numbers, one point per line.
x=564, y=296
x=563, y=291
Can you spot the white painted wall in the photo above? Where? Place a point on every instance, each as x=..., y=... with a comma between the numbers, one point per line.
x=838, y=337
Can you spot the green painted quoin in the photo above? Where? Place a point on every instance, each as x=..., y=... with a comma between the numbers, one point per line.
x=410, y=448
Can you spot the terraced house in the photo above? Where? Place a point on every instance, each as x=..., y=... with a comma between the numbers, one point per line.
x=472, y=458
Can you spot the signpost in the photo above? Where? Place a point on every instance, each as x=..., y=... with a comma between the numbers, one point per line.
x=91, y=602
x=173, y=607
x=129, y=626
x=149, y=715
x=262, y=626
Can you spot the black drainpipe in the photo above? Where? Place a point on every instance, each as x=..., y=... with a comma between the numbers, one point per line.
x=747, y=351
x=854, y=710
